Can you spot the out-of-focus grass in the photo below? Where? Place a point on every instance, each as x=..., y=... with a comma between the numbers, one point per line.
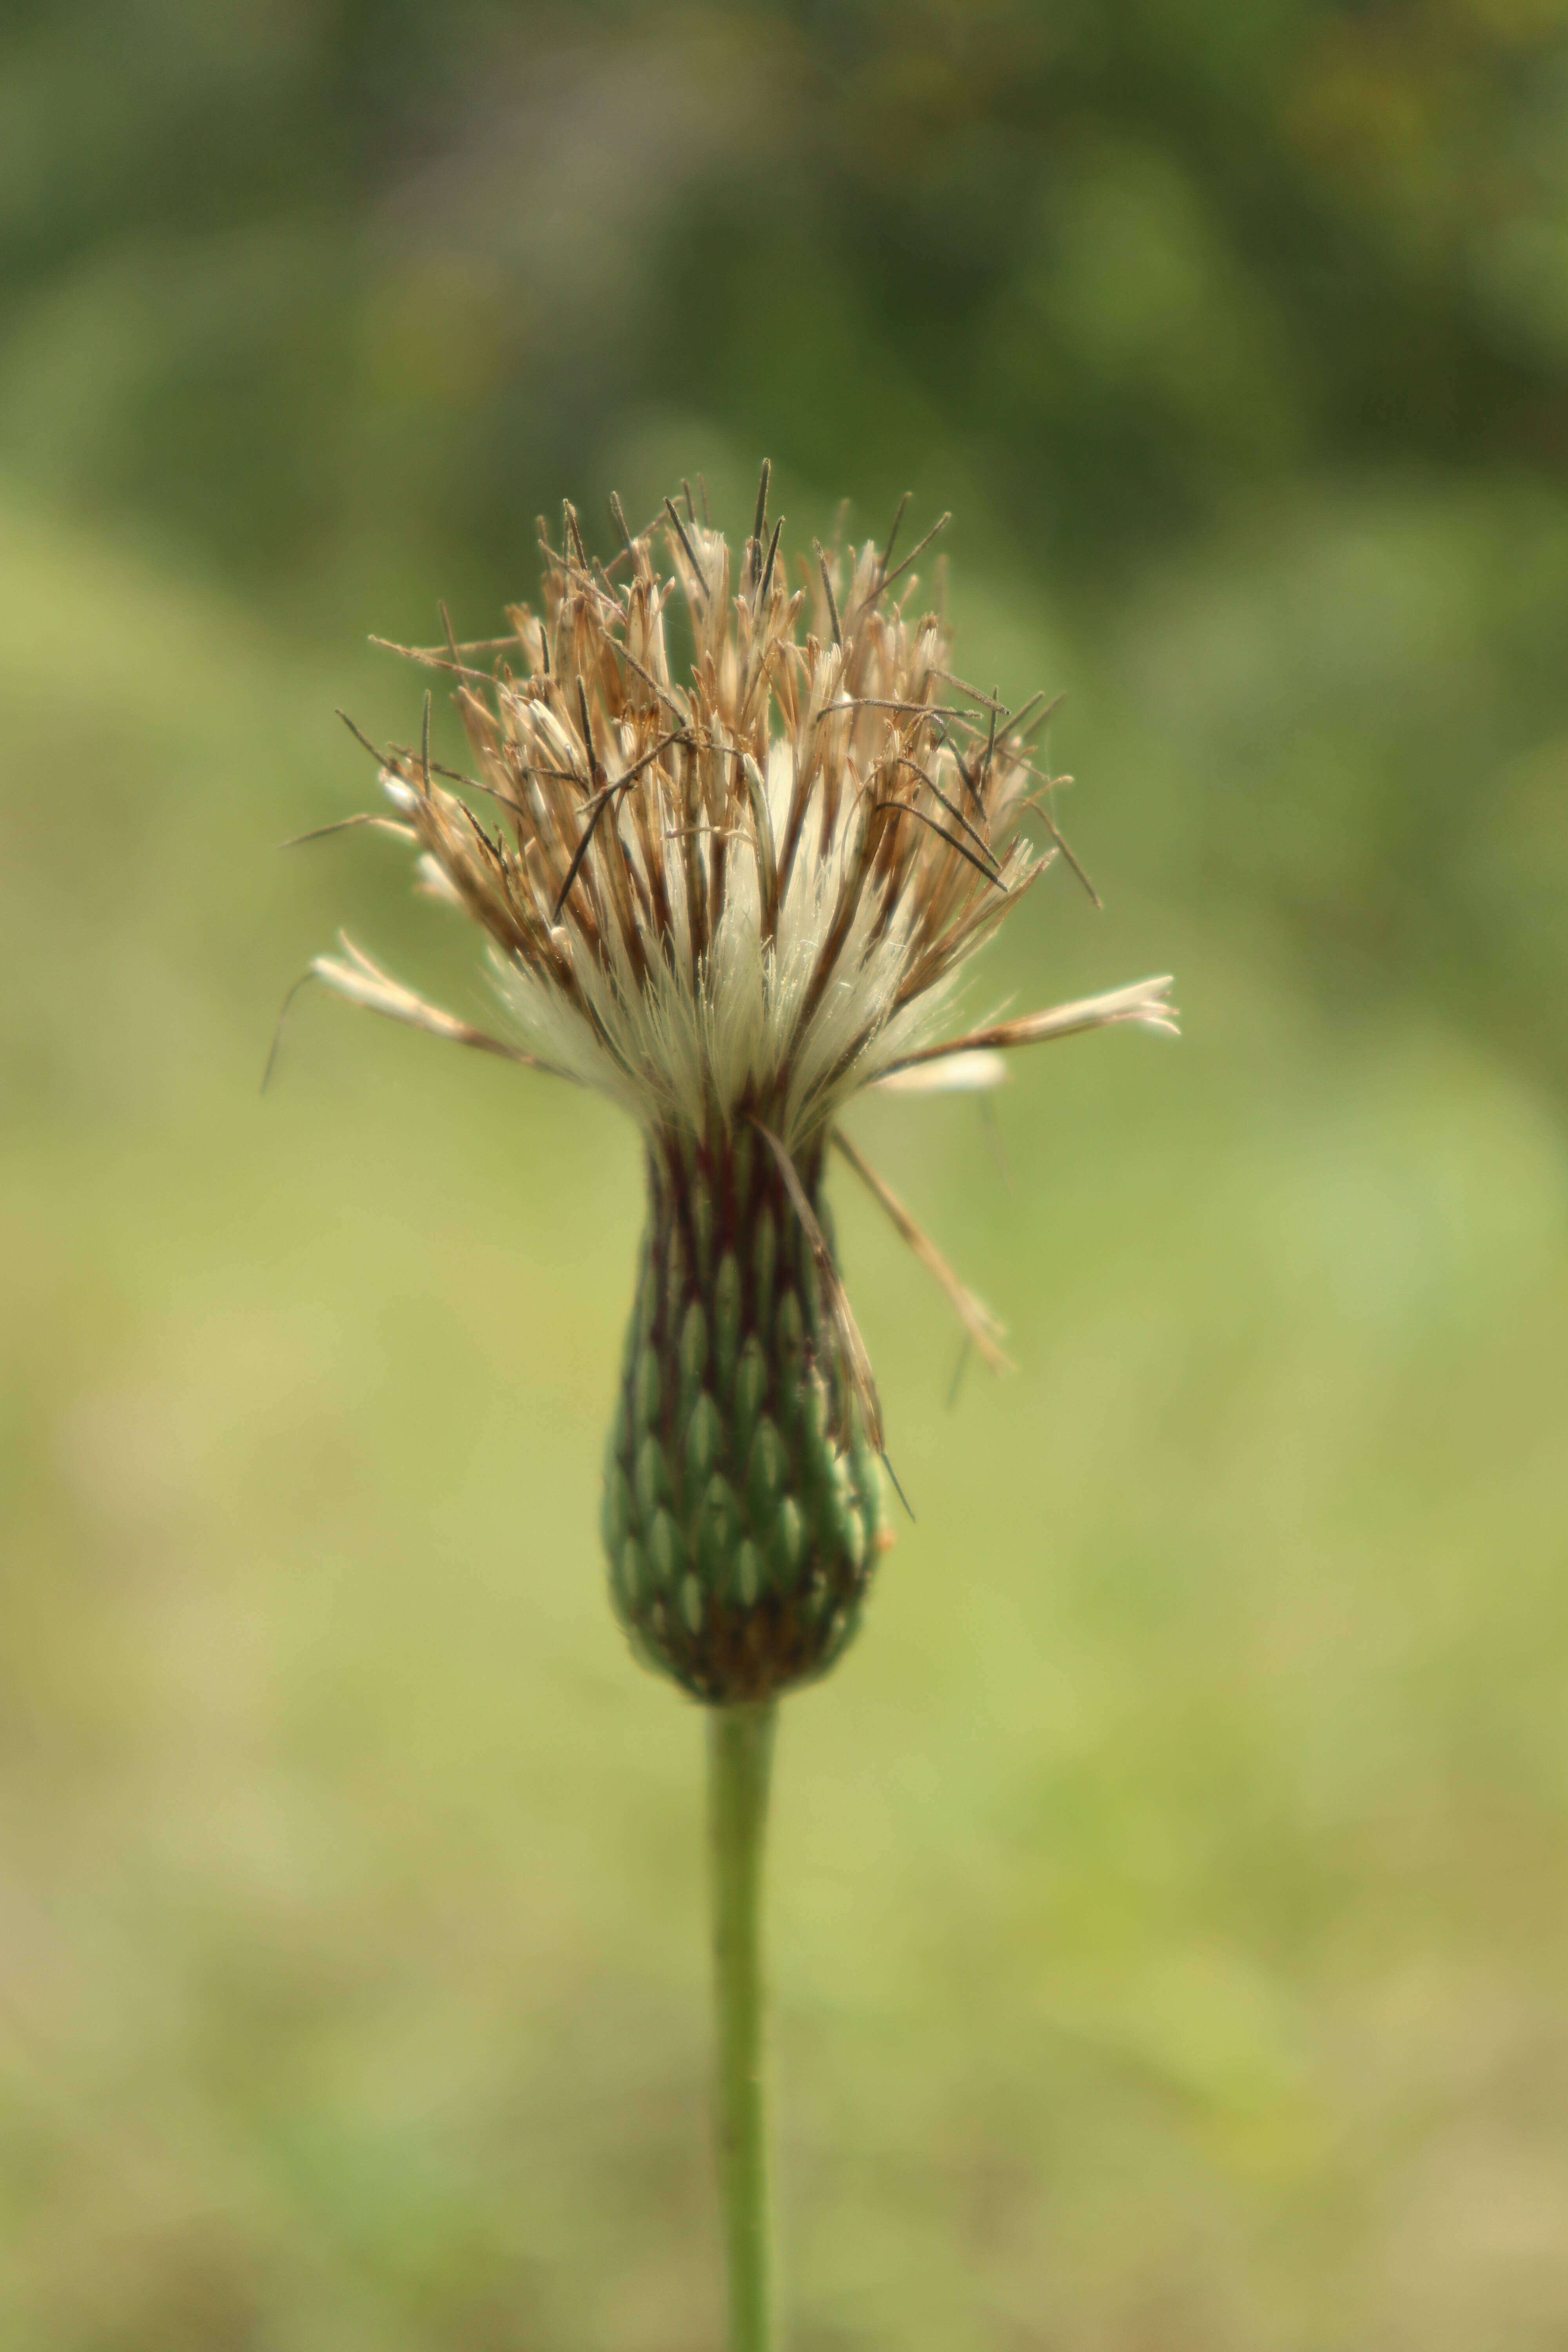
x=1168, y=1920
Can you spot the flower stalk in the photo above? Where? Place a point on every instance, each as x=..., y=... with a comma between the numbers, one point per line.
x=740, y=1760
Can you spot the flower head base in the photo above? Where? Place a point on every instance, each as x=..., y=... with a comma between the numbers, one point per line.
x=732, y=893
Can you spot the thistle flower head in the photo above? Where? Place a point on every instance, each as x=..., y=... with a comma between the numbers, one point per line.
x=731, y=840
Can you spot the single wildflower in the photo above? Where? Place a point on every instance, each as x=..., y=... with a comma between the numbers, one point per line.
x=733, y=892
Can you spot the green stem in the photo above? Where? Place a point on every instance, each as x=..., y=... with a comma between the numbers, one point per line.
x=740, y=1753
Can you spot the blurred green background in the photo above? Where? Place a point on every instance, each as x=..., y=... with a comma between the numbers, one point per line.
x=1170, y=1919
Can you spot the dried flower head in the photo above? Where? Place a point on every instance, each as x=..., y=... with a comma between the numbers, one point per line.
x=732, y=893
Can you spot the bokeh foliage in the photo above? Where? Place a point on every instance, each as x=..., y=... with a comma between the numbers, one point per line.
x=1170, y=1919
x=1255, y=307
